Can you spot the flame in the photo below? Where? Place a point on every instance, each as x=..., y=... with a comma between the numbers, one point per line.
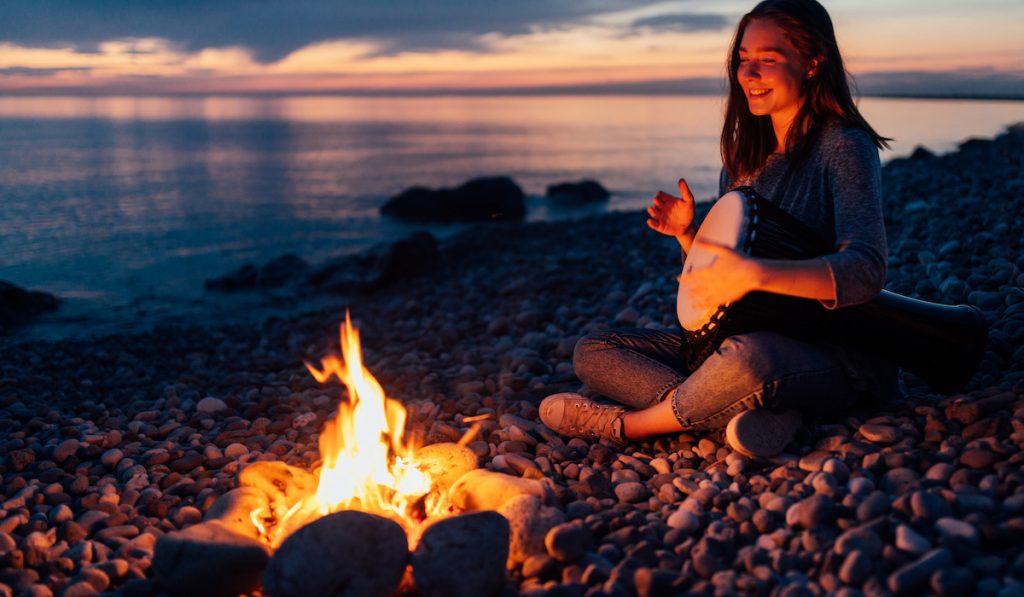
x=368, y=464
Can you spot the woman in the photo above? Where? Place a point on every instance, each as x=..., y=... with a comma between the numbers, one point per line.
x=793, y=133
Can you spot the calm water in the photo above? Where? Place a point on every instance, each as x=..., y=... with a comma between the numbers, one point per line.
x=123, y=206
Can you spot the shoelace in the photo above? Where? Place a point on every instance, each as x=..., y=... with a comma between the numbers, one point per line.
x=596, y=420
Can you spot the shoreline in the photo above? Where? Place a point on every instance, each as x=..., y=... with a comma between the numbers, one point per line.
x=492, y=332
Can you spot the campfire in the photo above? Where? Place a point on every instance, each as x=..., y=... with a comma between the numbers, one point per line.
x=379, y=515
x=368, y=464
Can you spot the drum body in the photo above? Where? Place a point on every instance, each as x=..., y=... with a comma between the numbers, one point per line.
x=751, y=224
x=942, y=344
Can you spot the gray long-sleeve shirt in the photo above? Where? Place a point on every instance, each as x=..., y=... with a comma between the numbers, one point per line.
x=838, y=193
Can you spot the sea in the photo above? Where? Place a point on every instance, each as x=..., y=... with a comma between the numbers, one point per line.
x=124, y=206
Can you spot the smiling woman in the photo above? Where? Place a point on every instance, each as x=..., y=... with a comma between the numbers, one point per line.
x=793, y=134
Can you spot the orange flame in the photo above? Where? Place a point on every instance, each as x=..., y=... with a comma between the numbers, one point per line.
x=368, y=464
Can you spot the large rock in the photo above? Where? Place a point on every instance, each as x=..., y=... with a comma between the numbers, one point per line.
x=380, y=266
x=209, y=559
x=529, y=522
x=481, y=489
x=584, y=191
x=273, y=274
x=462, y=556
x=348, y=553
x=18, y=306
x=496, y=198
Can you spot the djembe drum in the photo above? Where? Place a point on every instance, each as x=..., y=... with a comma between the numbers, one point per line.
x=941, y=344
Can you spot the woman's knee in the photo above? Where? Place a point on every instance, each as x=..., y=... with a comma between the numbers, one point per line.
x=587, y=347
x=753, y=356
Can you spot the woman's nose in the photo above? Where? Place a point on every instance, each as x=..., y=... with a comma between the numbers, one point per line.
x=748, y=71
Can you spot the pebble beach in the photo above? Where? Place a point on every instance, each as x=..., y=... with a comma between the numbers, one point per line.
x=110, y=443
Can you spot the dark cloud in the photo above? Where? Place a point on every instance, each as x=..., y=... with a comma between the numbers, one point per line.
x=685, y=22
x=271, y=29
x=22, y=71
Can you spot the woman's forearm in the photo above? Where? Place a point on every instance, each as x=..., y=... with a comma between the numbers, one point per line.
x=804, y=278
x=685, y=240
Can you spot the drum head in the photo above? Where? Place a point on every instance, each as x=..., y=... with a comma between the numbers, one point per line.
x=725, y=224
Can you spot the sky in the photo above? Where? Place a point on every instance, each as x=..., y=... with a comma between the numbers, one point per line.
x=901, y=47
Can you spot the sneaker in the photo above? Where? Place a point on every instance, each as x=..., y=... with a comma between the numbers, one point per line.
x=762, y=433
x=576, y=416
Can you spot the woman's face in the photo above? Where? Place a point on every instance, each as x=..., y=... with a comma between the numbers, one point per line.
x=771, y=72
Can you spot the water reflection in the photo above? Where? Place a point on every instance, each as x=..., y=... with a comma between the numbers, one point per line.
x=129, y=197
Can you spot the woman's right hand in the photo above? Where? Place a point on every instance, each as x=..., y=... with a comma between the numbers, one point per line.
x=671, y=215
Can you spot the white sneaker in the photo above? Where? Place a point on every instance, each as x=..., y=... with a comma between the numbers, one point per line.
x=762, y=433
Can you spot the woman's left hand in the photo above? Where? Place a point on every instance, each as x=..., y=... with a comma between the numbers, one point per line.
x=725, y=280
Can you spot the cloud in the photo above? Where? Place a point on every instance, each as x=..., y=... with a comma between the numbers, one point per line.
x=685, y=22
x=271, y=29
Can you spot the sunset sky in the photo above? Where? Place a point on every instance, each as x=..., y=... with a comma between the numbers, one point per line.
x=931, y=47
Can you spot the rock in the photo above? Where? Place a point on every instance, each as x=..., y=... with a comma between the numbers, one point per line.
x=683, y=519
x=19, y=306
x=462, y=556
x=348, y=553
x=567, y=542
x=283, y=484
x=585, y=191
x=445, y=463
x=710, y=556
x=856, y=567
x=898, y=481
x=913, y=575
x=66, y=449
x=952, y=528
x=631, y=492
x=817, y=510
x=481, y=489
x=380, y=266
x=877, y=433
x=211, y=406
x=210, y=559
x=908, y=540
x=273, y=274
x=530, y=523
x=496, y=198
x=977, y=458
x=235, y=508
x=955, y=581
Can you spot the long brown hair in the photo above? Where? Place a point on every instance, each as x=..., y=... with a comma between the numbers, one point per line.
x=748, y=140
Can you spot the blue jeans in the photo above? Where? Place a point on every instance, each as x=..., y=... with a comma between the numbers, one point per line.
x=641, y=367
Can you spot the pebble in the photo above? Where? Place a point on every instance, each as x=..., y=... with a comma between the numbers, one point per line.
x=66, y=449
x=957, y=529
x=911, y=541
x=915, y=574
x=211, y=406
x=631, y=492
x=568, y=542
x=686, y=521
x=953, y=581
x=878, y=433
